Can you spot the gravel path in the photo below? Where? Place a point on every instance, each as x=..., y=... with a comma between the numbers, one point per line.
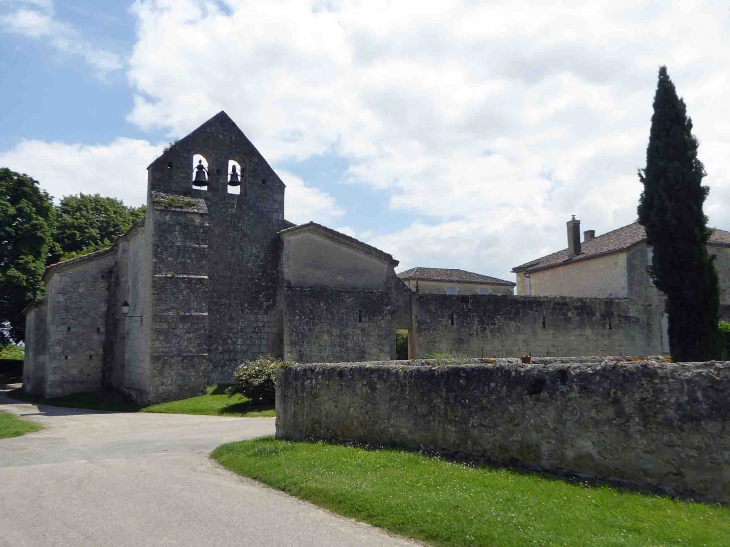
x=108, y=479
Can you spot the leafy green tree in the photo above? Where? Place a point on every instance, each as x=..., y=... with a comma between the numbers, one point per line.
x=670, y=209
x=88, y=223
x=26, y=219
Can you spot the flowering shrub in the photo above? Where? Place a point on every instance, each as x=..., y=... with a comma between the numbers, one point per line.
x=255, y=379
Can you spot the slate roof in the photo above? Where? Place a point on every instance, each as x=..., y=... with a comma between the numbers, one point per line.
x=341, y=238
x=451, y=275
x=616, y=241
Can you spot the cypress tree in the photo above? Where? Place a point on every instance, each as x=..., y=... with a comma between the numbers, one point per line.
x=670, y=209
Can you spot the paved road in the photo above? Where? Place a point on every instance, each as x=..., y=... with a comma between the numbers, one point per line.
x=102, y=479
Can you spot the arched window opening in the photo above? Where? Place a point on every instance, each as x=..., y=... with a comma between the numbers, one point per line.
x=200, y=171
x=235, y=177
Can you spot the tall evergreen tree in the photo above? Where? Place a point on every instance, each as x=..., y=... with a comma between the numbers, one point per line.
x=670, y=209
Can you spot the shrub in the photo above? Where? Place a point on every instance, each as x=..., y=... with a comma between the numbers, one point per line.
x=255, y=379
x=438, y=356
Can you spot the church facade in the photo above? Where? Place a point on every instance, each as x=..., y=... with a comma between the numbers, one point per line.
x=212, y=278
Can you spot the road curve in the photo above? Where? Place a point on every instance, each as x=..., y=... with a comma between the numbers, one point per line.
x=95, y=478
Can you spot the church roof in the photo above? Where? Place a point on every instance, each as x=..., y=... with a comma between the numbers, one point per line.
x=615, y=241
x=340, y=238
x=451, y=275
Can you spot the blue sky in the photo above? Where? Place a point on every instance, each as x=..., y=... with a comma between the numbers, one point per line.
x=450, y=134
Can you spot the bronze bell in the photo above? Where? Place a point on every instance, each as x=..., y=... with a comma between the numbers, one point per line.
x=234, y=180
x=201, y=178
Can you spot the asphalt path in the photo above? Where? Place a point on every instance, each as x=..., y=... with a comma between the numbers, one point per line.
x=106, y=479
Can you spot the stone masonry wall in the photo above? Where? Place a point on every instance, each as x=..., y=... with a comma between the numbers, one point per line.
x=652, y=424
x=178, y=362
x=77, y=305
x=323, y=324
x=511, y=326
x=36, y=349
x=242, y=256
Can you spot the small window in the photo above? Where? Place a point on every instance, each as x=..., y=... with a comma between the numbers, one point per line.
x=484, y=290
x=169, y=165
x=451, y=289
x=263, y=182
x=359, y=316
x=453, y=318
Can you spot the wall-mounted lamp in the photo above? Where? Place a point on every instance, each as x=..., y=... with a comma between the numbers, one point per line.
x=125, y=311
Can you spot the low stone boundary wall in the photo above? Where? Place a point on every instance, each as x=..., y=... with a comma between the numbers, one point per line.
x=648, y=423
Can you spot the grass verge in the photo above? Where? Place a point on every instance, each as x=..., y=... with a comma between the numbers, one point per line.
x=215, y=402
x=448, y=503
x=12, y=426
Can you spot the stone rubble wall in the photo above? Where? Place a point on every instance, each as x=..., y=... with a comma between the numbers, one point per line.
x=512, y=326
x=77, y=305
x=650, y=424
x=337, y=324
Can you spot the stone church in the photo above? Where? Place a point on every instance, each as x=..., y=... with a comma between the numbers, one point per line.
x=214, y=275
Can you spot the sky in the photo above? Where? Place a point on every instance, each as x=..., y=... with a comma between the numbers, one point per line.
x=453, y=134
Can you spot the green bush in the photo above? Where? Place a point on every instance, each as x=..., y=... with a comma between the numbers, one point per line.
x=12, y=352
x=438, y=356
x=255, y=379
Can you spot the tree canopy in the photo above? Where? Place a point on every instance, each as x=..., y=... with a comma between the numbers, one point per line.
x=670, y=208
x=88, y=223
x=26, y=221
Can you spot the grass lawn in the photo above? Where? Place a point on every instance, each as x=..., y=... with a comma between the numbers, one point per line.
x=214, y=403
x=12, y=426
x=446, y=503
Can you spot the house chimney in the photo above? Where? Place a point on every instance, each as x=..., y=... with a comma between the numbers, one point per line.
x=573, y=237
x=588, y=235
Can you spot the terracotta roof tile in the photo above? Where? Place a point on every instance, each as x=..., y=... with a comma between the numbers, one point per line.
x=618, y=240
x=451, y=275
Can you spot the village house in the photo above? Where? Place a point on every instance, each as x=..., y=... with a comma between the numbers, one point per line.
x=611, y=265
x=453, y=281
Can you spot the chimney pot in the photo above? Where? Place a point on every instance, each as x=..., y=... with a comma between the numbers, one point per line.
x=588, y=235
x=573, y=237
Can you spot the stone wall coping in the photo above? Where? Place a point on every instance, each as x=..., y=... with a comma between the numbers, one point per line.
x=525, y=297
x=511, y=361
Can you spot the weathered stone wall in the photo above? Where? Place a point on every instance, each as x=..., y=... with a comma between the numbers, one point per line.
x=243, y=254
x=77, y=305
x=36, y=349
x=651, y=424
x=337, y=324
x=511, y=326
x=722, y=264
x=178, y=363
x=312, y=260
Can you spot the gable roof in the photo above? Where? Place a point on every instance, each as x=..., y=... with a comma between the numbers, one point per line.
x=615, y=241
x=451, y=275
x=340, y=238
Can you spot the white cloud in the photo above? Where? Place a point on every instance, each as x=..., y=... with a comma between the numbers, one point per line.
x=116, y=170
x=492, y=122
x=305, y=203
x=42, y=23
x=119, y=170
